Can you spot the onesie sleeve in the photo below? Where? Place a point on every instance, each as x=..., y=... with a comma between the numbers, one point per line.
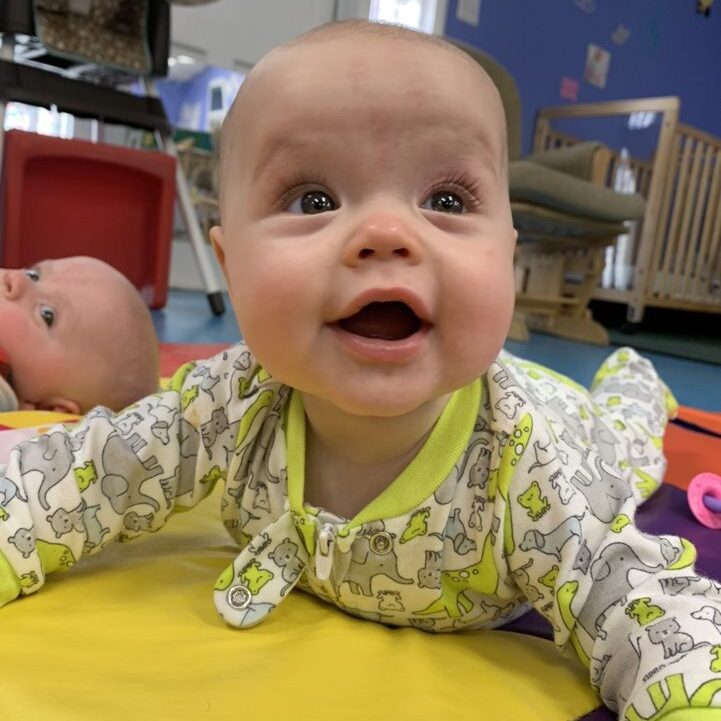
x=630, y=605
x=115, y=477
x=630, y=408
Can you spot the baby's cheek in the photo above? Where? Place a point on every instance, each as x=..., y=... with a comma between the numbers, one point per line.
x=480, y=325
x=267, y=321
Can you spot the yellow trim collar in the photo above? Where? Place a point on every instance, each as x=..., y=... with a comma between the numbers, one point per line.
x=423, y=475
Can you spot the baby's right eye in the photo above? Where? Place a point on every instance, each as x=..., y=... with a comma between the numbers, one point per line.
x=312, y=202
x=47, y=313
x=32, y=274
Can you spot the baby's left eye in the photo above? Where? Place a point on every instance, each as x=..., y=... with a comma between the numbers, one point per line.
x=48, y=315
x=32, y=274
x=445, y=201
x=312, y=202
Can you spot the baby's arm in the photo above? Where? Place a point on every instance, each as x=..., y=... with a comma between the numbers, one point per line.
x=115, y=477
x=632, y=405
x=623, y=417
x=631, y=605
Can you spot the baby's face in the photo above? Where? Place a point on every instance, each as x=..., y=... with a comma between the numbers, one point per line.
x=50, y=315
x=367, y=236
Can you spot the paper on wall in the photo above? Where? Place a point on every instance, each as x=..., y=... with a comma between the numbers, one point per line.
x=469, y=11
x=569, y=89
x=597, y=62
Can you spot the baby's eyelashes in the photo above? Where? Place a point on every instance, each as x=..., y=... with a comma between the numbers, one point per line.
x=457, y=193
x=32, y=274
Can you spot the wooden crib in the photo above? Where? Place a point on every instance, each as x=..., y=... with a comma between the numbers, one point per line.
x=676, y=256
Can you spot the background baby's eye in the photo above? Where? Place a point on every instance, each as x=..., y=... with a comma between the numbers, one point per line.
x=444, y=201
x=32, y=274
x=312, y=202
x=48, y=315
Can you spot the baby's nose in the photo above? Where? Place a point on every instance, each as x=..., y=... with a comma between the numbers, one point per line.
x=383, y=236
x=14, y=283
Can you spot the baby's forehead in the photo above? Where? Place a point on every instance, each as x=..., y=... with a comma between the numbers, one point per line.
x=347, y=69
x=354, y=53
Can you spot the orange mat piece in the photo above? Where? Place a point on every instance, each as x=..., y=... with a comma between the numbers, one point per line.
x=690, y=452
x=173, y=355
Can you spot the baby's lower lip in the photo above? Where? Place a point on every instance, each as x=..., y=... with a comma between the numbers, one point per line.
x=381, y=350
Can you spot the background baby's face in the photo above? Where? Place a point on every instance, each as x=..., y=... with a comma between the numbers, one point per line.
x=63, y=322
x=365, y=169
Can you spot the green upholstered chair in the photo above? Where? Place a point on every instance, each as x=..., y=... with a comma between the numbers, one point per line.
x=565, y=218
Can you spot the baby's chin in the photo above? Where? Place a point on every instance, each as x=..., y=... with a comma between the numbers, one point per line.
x=385, y=403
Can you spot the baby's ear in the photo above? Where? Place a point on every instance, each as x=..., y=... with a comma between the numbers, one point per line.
x=217, y=240
x=59, y=405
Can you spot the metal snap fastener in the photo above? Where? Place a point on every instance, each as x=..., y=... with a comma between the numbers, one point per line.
x=238, y=597
x=381, y=543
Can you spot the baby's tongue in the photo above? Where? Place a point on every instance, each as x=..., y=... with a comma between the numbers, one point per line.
x=388, y=321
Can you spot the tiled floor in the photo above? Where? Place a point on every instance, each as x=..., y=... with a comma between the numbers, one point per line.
x=187, y=319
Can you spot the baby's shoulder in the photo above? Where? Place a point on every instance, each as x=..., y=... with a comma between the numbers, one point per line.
x=515, y=387
x=536, y=378
x=522, y=394
x=230, y=377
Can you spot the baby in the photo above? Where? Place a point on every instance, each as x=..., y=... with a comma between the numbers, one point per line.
x=373, y=438
x=74, y=334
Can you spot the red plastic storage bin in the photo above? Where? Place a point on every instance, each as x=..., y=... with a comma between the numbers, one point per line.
x=71, y=197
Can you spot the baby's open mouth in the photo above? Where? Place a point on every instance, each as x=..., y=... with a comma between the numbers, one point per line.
x=392, y=320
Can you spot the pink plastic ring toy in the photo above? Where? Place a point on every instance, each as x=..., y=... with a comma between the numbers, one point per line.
x=704, y=499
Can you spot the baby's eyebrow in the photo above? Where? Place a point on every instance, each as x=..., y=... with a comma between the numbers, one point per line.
x=482, y=142
x=44, y=266
x=285, y=153
x=279, y=150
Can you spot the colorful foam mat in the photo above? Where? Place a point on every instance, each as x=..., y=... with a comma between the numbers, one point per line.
x=133, y=633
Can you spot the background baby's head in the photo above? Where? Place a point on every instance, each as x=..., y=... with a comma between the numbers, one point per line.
x=76, y=334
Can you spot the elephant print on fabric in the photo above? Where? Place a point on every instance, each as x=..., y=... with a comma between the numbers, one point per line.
x=120, y=463
x=372, y=555
x=51, y=457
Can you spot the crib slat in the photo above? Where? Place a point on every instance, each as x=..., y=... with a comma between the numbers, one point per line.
x=684, y=242
x=541, y=135
x=713, y=209
x=714, y=253
x=670, y=209
x=662, y=227
x=697, y=199
x=644, y=179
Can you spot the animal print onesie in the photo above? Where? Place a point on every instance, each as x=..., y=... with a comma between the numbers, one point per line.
x=524, y=493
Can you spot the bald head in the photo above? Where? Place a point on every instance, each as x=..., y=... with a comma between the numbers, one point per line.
x=351, y=32
x=110, y=348
x=126, y=351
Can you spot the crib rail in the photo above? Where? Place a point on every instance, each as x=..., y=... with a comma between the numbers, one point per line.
x=677, y=254
x=686, y=261
x=642, y=169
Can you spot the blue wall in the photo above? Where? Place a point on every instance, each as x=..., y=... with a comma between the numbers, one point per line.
x=171, y=95
x=176, y=96
x=671, y=50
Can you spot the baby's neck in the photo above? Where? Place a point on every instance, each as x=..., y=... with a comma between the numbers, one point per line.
x=352, y=459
